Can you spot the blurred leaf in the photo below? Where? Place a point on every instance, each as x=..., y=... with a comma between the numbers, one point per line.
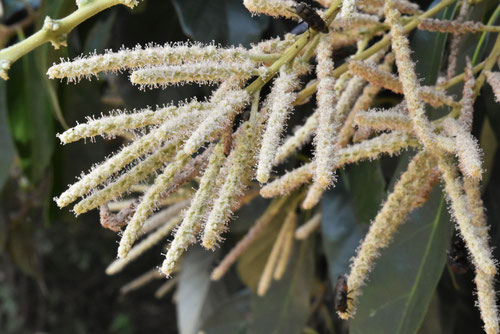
x=10, y=7
x=248, y=214
x=20, y=247
x=7, y=149
x=198, y=296
x=99, y=35
x=285, y=307
x=121, y=324
x=432, y=322
x=406, y=274
x=367, y=186
x=252, y=262
x=222, y=21
x=340, y=230
x=231, y=317
x=429, y=48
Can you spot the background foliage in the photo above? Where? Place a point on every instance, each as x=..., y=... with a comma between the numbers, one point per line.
x=52, y=265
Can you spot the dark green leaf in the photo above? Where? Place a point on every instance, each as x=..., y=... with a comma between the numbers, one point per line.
x=222, y=21
x=231, y=317
x=429, y=48
x=367, y=186
x=198, y=296
x=7, y=149
x=252, y=262
x=406, y=274
x=99, y=35
x=285, y=307
x=340, y=230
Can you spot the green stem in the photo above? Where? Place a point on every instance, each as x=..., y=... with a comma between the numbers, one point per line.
x=54, y=31
x=291, y=52
x=484, y=34
x=384, y=42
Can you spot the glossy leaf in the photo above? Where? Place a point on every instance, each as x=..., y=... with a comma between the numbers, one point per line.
x=406, y=274
x=285, y=307
x=367, y=186
x=222, y=21
x=197, y=295
x=7, y=149
x=341, y=231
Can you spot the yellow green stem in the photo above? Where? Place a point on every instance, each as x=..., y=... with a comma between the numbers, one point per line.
x=55, y=31
x=384, y=42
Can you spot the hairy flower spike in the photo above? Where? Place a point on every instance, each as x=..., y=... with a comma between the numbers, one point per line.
x=239, y=164
x=455, y=41
x=260, y=225
x=467, y=97
x=381, y=120
x=280, y=104
x=467, y=148
x=275, y=8
x=391, y=143
x=453, y=27
x=150, y=199
x=150, y=55
x=191, y=223
x=348, y=9
x=139, y=249
x=306, y=229
x=406, y=192
x=389, y=81
x=201, y=73
x=376, y=7
x=299, y=138
x=408, y=77
x=472, y=235
x=227, y=107
x=494, y=81
x=138, y=148
x=286, y=247
x=324, y=141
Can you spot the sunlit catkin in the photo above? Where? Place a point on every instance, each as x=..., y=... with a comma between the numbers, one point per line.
x=391, y=215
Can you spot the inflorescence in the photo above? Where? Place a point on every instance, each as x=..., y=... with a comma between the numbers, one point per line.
x=221, y=145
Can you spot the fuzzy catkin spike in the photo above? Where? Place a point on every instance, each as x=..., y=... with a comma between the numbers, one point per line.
x=409, y=83
x=494, y=81
x=150, y=199
x=256, y=230
x=139, y=249
x=389, y=119
x=226, y=108
x=138, y=148
x=275, y=8
x=280, y=105
x=239, y=163
x=191, y=223
x=389, y=81
x=468, y=98
x=455, y=41
x=453, y=27
x=313, y=196
x=126, y=180
x=286, y=248
x=118, y=124
x=325, y=138
x=201, y=73
x=387, y=143
x=467, y=149
x=472, y=235
x=270, y=267
x=348, y=9
x=150, y=55
x=299, y=138
x=376, y=7
x=393, y=213
x=306, y=229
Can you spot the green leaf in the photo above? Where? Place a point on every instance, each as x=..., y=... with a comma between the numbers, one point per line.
x=230, y=317
x=252, y=262
x=98, y=37
x=285, y=307
x=367, y=186
x=222, y=21
x=7, y=149
x=406, y=274
x=429, y=48
x=198, y=296
x=341, y=232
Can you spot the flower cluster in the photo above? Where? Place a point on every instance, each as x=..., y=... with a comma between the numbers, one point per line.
x=224, y=143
